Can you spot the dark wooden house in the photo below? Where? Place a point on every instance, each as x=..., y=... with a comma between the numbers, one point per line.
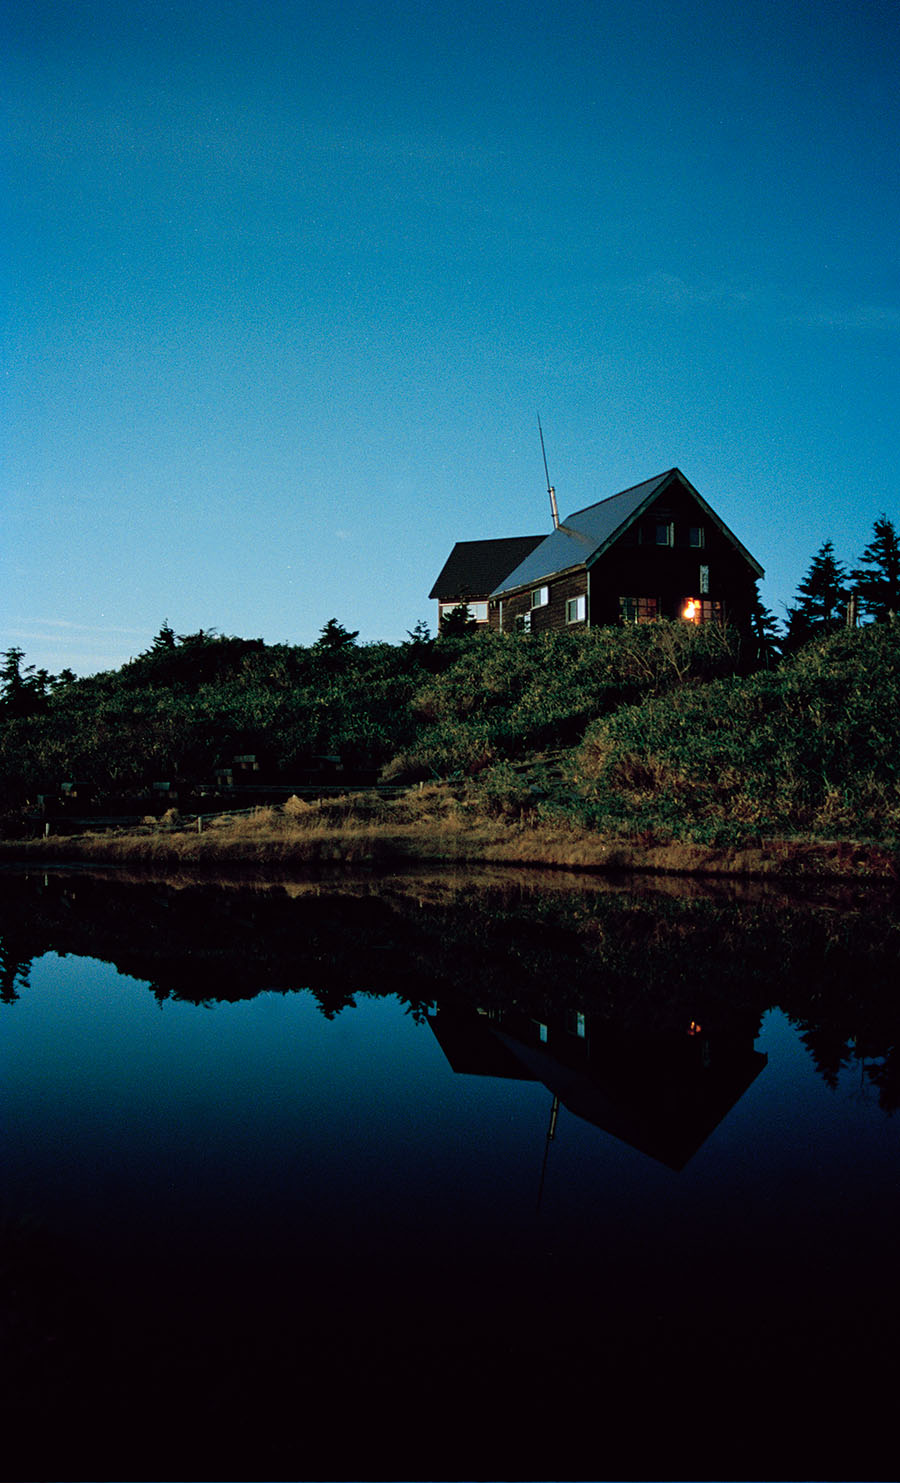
x=657, y=550
x=472, y=571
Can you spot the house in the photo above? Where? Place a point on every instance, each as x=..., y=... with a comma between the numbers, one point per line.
x=657, y=550
x=472, y=571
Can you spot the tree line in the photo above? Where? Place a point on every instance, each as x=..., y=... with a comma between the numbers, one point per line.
x=871, y=589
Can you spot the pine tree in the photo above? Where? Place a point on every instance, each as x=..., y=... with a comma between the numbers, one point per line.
x=165, y=639
x=334, y=638
x=821, y=600
x=877, y=578
x=22, y=692
x=764, y=626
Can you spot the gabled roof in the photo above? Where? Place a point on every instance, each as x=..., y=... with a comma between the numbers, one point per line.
x=474, y=568
x=584, y=536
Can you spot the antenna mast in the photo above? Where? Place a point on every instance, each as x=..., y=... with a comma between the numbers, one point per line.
x=550, y=490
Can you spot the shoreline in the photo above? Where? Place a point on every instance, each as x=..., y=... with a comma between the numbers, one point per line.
x=368, y=845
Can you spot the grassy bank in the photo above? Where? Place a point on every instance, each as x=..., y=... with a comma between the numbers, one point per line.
x=665, y=755
x=442, y=825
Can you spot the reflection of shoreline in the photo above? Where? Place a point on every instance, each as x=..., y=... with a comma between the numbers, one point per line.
x=436, y=880
x=645, y=955
x=468, y=841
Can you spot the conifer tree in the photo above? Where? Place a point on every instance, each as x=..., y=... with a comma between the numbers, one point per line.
x=334, y=638
x=764, y=626
x=877, y=578
x=821, y=600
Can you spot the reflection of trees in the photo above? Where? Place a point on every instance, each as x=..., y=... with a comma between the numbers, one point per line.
x=830, y=1049
x=645, y=962
x=15, y=971
x=835, y=1050
x=884, y=1074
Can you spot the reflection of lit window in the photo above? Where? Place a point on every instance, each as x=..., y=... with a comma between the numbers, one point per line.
x=540, y=597
x=576, y=609
x=638, y=609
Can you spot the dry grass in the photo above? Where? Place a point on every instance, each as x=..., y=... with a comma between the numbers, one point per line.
x=438, y=824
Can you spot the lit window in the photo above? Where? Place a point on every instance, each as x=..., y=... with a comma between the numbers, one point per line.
x=701, y=610
x=638, y=609
x=697, y=536
x=664, y=533
x=576, y=609
x=540, y=597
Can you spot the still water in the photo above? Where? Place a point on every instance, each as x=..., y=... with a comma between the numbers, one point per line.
x=448, y=1179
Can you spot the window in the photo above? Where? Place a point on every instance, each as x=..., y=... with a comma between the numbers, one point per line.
x=701, y=610
x=540, y=597
x=665, y=533
x=523, y=623
x=638, y=609
x=576, y=609
x=704, y=579
x=477, y=610
x=697, y=536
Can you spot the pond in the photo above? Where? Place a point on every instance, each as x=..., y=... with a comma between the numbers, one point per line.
x=448, y=1177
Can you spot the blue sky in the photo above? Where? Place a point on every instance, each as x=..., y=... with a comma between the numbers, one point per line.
x=291, y=282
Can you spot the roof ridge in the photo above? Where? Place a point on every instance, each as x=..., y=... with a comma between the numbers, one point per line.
x=654, y=479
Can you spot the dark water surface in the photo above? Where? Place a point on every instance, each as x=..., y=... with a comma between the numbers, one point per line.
x=473, y=1178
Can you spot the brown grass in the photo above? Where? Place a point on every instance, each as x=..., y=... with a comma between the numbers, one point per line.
x=438, y=824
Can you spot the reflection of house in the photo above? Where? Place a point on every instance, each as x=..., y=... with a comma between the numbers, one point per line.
x=472, y=571
x=662, y=1095
x=657, y=550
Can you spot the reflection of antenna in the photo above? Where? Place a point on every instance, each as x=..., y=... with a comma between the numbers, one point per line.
x=551, y=1134
x=550, y=490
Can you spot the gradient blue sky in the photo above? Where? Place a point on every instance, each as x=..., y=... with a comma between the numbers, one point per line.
x=291, y=281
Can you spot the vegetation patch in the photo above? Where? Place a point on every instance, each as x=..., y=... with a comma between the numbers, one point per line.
x=588, y=749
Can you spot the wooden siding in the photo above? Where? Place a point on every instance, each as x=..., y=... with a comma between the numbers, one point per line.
x=544, y=619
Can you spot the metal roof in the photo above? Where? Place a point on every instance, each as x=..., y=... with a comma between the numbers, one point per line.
x=585, y=535
x=474, y=568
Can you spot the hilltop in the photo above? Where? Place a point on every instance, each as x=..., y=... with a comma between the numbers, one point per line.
x=610, y=746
